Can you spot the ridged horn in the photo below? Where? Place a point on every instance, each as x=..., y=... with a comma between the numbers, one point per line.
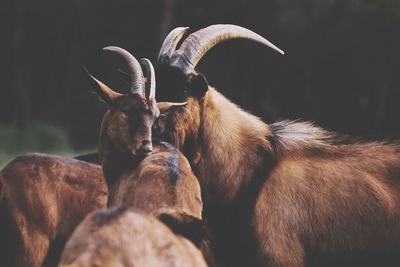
x=150, y=77
x=135, y=71
x=198, y=43
x=171, y=41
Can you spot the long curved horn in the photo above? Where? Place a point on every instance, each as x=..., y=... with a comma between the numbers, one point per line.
x=171, y=41
x=135, y=71
x=198, y=43
x=150, y=77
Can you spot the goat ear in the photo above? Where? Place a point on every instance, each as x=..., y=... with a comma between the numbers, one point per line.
x=198, y=86
x=105, y=93
x=165, y=106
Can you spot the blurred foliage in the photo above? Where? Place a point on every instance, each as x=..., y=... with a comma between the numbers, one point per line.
x=38, y=137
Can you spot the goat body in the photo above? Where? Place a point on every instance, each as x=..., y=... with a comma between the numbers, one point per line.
x=42, y=199
x=305, y=194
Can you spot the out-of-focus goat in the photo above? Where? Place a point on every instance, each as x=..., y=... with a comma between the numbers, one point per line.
x=42, y=199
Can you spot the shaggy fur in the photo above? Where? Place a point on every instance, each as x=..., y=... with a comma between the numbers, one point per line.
x=292, y=192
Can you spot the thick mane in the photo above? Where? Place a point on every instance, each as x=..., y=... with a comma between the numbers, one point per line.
x=301, y=137
x=234, y=144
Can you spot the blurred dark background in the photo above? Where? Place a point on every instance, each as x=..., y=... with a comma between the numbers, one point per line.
x=340, y=69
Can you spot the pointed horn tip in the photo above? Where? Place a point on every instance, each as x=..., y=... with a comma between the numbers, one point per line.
x=277, y=49
x=88, y=73
x=111, y=48
x=183, y=28
x=280, y=51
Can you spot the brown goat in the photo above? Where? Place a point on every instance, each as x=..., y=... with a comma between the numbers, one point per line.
x=307, y=196
x=162, y=183
x=125, y=136
x=42, y=199
x=116, y=237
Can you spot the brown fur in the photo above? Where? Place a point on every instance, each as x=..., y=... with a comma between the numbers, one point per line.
x=309, y=194
x=42, y=199
x=125, y=237
x=341, y=200
x=161, y=183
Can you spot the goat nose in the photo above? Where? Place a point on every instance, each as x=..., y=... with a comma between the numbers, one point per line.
x=146, y=148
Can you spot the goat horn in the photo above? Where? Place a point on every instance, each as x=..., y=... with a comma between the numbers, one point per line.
x=171, y=41
x=150, y=77
x=198, y=43
x=135, y=71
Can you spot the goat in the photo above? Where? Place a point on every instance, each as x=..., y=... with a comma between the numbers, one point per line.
x=162, y=183
x=125, y=136
x=306, y=196
x=119, y=236
x=42, y=199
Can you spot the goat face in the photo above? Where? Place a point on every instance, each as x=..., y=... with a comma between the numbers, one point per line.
x=179, y=121
x=126, y=127
x=125, y=134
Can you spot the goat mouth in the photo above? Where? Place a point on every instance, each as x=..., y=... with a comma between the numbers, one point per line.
x=137, y=156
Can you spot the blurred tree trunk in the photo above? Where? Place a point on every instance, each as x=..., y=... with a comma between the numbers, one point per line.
x=21, y=76
x=167, y=18
x=380, y=112
x=74, y=65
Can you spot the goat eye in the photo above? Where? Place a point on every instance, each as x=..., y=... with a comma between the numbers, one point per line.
x=124, y=114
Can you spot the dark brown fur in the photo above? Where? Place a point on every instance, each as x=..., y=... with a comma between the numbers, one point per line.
x=42, y=199
x=194, y=229
x=125, y=126
x=308, y=197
